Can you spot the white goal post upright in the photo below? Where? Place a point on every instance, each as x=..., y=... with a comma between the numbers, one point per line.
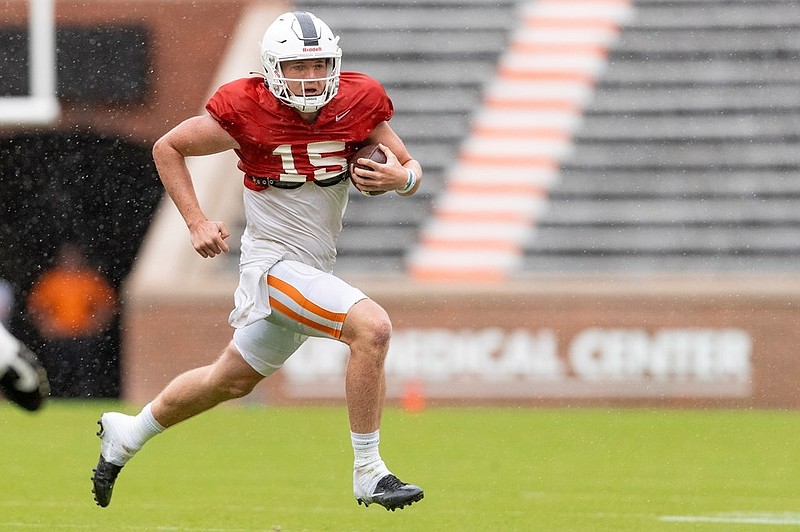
x=40, y=106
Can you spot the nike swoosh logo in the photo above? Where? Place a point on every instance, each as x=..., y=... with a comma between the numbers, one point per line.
x=339, y=117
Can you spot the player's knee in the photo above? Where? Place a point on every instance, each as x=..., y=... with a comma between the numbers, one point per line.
x=236, y=389
x=380, y=333
x=235, y=378
x=235, y=386
x=370, y=326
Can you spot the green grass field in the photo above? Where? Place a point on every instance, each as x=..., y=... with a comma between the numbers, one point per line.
x=242, y=468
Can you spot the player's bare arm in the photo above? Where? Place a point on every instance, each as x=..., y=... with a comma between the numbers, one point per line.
x=394, y=173
x=200, y=135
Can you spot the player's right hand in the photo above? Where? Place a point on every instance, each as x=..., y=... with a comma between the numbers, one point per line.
x=208, y=238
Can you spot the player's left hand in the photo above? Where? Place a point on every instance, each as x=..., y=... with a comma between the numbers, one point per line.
x=381, y=177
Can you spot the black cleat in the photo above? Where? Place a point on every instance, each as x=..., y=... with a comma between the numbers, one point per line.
x=393, y=494
x=104, y=477
x=105, y=474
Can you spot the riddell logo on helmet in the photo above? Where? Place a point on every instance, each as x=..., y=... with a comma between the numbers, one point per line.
x=312, y=49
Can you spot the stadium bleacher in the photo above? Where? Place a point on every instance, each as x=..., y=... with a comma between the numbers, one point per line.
x=687, y=159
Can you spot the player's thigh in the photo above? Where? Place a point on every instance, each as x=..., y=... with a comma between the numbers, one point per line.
x=265, y=346
x=309, y=301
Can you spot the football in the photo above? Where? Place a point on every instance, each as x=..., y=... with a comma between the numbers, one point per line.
x=373, y=153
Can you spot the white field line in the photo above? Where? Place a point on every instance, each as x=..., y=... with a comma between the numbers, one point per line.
x=10, y=525
x=756, y=518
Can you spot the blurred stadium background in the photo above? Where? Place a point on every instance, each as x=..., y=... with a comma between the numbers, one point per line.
x=610, y=213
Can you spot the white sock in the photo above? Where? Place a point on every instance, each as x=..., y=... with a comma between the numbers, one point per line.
x=368, y=467
x=365, y=447
x=144, y=426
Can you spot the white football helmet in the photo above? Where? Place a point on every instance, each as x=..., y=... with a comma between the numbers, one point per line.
x=300, y=35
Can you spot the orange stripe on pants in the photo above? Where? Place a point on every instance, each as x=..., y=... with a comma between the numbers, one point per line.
x=286, y=311
x=295, y=295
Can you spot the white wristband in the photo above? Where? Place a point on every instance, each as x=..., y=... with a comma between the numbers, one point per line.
x=412, y=180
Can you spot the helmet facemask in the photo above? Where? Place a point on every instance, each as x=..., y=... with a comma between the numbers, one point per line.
x=300, y=36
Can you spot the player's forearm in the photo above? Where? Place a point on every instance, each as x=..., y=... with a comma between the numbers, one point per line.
x=177, y=181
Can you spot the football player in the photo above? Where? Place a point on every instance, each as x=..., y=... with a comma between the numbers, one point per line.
x=294, y=130
x=23, y=380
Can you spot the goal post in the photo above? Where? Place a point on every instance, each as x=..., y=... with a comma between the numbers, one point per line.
x=40, y=106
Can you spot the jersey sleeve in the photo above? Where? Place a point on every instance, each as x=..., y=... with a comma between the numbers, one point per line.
x=367, y=97
x=229, y=104
x=373, y=92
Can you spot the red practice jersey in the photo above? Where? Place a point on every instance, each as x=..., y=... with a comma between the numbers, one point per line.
x=275, y=143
